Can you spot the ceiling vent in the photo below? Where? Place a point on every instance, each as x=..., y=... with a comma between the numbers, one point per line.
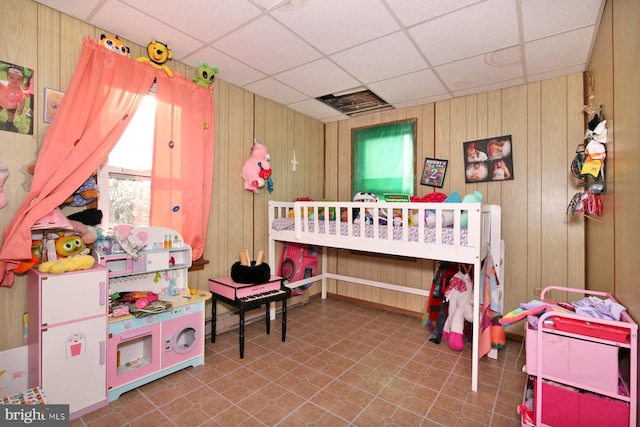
x=356, y=103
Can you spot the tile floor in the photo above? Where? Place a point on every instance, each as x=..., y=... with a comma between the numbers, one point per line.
x=342, y=364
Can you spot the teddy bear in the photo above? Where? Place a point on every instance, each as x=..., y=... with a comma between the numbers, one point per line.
x=256, y=171
x=159, y=53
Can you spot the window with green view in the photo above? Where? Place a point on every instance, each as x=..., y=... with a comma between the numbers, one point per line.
x=383, y=159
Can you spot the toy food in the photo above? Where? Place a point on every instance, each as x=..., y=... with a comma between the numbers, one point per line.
x=159, y=53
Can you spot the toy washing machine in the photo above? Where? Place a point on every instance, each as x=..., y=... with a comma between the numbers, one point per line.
x=182, y=335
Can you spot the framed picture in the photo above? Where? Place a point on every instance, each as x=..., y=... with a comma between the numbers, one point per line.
x=488, y=160
x=433, y=172
x=16, y=108
x=52, y=100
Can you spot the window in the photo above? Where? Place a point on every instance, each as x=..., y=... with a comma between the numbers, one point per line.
x=128, y=171
x=383, y=158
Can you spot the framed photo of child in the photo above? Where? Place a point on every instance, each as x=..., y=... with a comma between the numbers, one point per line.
x=488, y=160
x=16, y=98
x=433, y=172
x=52, y=100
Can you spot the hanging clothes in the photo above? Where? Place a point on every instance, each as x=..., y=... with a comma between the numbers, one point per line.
x=489, y=304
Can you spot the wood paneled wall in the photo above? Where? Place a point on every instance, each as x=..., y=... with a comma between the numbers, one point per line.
x=618, y=241
x=38, y=37
x=543, y=244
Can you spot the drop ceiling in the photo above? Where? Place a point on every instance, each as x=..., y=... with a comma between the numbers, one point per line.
x=407, y=52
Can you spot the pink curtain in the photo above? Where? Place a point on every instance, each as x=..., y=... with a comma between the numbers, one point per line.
x=182, y=174
x=104, y=93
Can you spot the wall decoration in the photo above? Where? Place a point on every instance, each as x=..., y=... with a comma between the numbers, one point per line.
x=433, y=172
x=16, y=98
x=488, y=159
x=52, y=100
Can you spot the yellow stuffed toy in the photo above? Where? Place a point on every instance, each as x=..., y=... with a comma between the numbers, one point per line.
x=159, y=53
x=72, y=263
x=72, y=254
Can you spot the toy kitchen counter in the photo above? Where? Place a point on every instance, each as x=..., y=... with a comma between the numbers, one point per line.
x=144, y=347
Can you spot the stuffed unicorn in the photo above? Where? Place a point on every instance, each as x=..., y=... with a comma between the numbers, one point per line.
x=460, y=297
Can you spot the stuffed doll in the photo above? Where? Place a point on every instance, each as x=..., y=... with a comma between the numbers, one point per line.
x=475, y=197
x=205, y=75
x=72, y=263
x=459, y=294
x=86, y=233
x=256, y=170
x=85, y=194
x=159, y=53
x=114, y=44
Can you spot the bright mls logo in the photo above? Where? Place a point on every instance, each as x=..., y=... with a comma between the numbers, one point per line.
x=35, y=415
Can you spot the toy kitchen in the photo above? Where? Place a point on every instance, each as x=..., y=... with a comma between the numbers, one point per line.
x=138, y=320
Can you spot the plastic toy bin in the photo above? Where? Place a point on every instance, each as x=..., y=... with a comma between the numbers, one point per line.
x=567, y=407
x=563, y=358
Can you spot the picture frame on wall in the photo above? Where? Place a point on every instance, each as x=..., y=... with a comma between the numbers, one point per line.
x=488, y=160
x=433, y=172
x=16, y=85
x=52, y=100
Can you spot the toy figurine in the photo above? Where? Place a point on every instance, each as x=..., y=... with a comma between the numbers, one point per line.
x=206, y=75
x=159, y=53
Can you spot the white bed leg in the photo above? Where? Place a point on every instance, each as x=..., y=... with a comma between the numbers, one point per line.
x=324, y=272
x=475, y=351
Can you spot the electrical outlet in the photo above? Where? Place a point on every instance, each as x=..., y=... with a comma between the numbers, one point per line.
x=537, y=292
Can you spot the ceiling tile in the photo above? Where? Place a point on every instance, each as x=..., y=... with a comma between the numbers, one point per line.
x=229, y=69
x=411, y=12
x=318, y=78
x=202, y=18
x=382, y=58
x=542, y=18
x=561, y=51
x=276, y=91
x=278, y=48
x=421, y=84
x=478, y=29
x=420, y=101
x=140, y=28
x=268, y=4
x=486, y=88
x=80, y=9
x=317, y=109
x=456, y=76
x=267, y=45
x=558, y=72
x=333, y=25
